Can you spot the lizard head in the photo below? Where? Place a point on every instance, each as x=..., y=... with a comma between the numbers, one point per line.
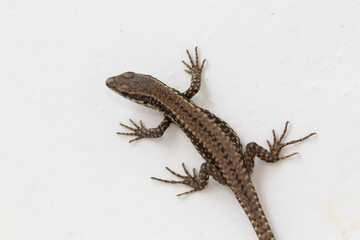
x=133, y=86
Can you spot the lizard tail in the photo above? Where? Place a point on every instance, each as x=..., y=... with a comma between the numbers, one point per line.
x=249, y=201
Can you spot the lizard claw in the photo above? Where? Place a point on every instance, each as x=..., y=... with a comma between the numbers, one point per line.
x=195, y=67
x=278, y=145
x=192, y=181
x=139, y=131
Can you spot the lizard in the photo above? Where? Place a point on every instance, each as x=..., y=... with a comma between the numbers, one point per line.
x=213, y=138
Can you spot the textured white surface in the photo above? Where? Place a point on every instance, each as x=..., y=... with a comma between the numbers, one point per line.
x=65, y=174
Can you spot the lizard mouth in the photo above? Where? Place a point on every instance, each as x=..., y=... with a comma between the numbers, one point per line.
x=125, y=94
x=134, y=97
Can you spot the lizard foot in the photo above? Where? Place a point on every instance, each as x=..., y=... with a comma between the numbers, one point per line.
x=139, y=131
x=194, y=68
x=192, y=181
x=277, y=145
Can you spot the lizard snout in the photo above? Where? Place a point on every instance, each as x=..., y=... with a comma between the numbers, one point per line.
x=110, y=82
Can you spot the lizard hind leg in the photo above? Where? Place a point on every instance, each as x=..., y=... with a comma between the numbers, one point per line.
x=277, y=145
x=197, y=181
x=192, y=181
x=194, y=69
x=271, y=156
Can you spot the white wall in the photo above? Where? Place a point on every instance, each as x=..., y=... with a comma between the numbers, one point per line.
x=65, y=174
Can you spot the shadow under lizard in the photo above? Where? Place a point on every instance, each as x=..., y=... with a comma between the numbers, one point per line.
x=213, y=138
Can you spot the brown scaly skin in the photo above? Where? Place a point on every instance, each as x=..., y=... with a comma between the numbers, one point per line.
x=212, y=137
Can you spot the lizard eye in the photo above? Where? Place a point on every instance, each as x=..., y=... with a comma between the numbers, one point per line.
x=125, y=87
x=129, y=75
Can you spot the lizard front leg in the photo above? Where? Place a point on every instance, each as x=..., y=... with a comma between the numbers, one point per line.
x=272, y=156
x=198, y=182
x=142, y=132
x=195, y=71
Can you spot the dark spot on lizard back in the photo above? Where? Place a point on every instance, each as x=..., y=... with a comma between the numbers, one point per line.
x=218, y=121
x=239, y=180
